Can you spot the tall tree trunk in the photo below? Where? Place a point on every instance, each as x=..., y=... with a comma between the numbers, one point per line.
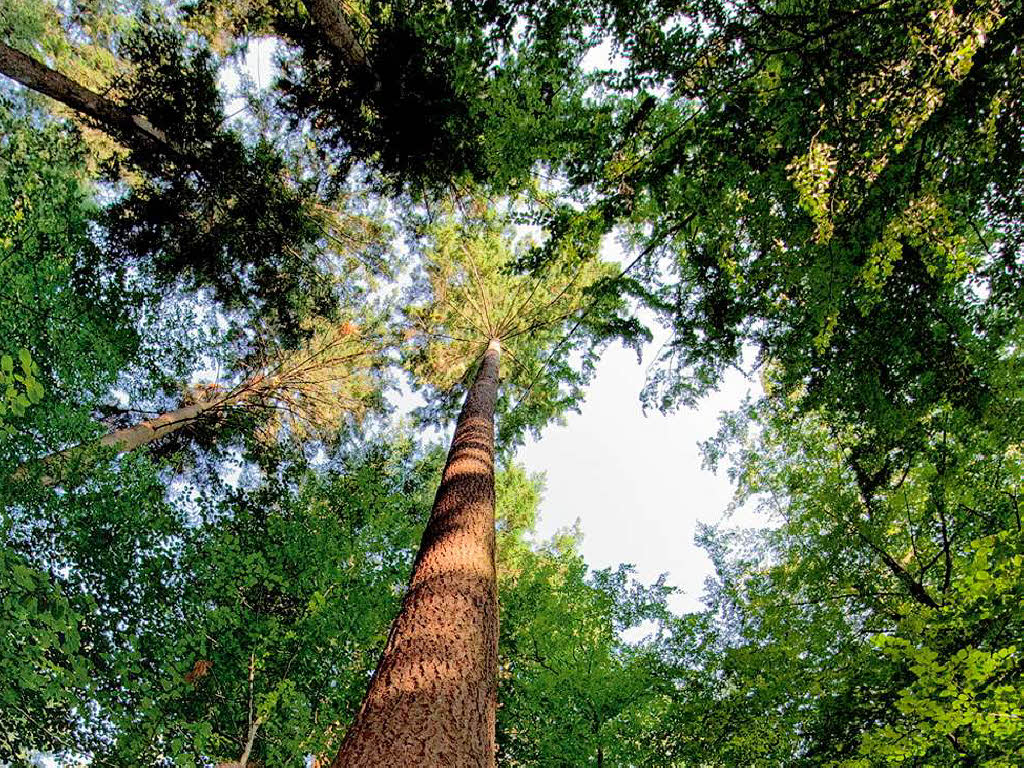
x=330, y=18
x=433, y=697
x=115, y=119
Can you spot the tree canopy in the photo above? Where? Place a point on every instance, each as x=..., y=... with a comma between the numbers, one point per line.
x=233, y=237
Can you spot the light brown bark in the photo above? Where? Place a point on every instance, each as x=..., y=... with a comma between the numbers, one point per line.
x=294, y=385
x=114, y=118
x=138, y=435
x=433, y=697
x=124, y=440
x=145, y=432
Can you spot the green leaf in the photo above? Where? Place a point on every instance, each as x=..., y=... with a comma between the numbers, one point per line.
x=23, y=576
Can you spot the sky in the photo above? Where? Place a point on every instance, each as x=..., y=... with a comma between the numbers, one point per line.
x=635, y=482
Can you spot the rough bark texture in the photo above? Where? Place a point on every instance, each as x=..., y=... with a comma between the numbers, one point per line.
x=432, y=700
x=114, y=118
x=330, y=18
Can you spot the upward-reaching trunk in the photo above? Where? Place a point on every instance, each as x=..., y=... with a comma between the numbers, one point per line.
x=145, y=432
x=433, y=697
x=129, y=438
x=138, y=435
x=310, y=387
x=334, y=25
x=114, y=118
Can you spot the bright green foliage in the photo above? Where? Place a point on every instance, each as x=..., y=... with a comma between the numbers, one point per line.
x=880, y=619
x=971, y=696
x=70, y=323
x=41, y=663
x=78, y=45
x=83, y=566
x=836, y=185
x=572, y=691
x=20, y=387
x=267, y=602
x=292, y=583
x=808, y=168
x=551, y=323
x=96, y=557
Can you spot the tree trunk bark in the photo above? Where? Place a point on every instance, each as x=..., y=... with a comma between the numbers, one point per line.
x=145, y=432
x=432, y=700
x=127, y=439
x=330, y=18
x=138, y=435
x=114, y=118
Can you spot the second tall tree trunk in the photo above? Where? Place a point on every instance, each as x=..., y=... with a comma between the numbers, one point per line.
x=433, y=697
x=334, y=25
x=133, y=128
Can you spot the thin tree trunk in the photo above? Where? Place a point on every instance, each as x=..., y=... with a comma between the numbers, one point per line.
x=432, y=700
x=138, y=435
x=124, y=440
x=288, y=385
x=145, y=432
x=330, y=18
x=114, y=118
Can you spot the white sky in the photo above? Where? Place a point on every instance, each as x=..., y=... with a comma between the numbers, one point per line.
x=635, y=482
